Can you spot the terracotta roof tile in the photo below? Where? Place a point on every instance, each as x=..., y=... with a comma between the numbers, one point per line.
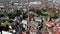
x=50, y=23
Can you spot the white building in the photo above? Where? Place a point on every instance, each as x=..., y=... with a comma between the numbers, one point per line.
x=4, y=32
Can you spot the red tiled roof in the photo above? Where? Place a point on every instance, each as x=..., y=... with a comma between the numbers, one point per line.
x=56, y=32
x=45, y=32
x=32, y=29
x=49, y=30
x=49, y=23
x=58, y=24
x=56, y=27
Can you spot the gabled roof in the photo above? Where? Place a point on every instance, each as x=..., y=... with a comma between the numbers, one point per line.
x=33, y=24
x=56, y=27
x=49, y=23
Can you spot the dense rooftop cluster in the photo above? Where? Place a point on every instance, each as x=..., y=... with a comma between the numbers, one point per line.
x=30, y=17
